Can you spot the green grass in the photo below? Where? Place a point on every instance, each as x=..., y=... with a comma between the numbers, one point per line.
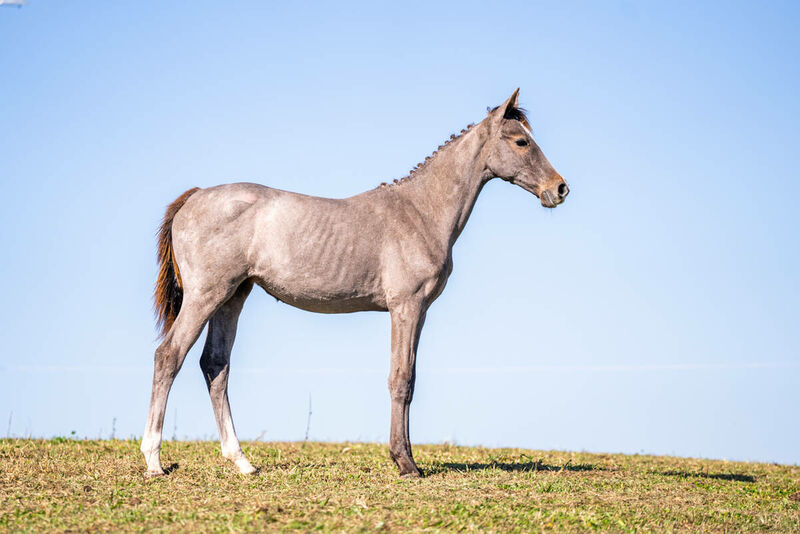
x=62, y=484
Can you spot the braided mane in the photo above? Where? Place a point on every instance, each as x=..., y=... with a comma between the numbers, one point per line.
x=517, y=114
x=421, y=165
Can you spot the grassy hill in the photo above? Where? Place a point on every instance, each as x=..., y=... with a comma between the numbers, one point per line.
x=98, y=485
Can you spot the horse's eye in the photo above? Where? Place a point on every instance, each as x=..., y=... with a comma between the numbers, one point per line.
x=522, y=142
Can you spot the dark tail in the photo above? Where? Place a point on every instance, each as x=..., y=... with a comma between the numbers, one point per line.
x=168, y=294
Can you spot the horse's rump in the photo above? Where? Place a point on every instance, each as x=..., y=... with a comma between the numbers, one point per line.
x=168, y=293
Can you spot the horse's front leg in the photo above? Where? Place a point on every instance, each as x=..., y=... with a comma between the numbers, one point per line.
x=407, y=320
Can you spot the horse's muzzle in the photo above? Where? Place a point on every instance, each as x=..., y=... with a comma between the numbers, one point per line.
x=551, y=198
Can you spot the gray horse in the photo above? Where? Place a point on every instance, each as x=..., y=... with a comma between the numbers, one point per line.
x=388, y=249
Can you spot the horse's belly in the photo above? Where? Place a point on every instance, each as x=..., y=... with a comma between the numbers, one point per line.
x=310, y=297
x=318, y=255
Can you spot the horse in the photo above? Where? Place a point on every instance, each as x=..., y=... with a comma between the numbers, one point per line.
x=387, y=249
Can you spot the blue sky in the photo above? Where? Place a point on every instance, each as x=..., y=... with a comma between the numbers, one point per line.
x=655, y=311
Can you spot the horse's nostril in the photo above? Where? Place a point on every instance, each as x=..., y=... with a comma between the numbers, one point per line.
x=563, y=190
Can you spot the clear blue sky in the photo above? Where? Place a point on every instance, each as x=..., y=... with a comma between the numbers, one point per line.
x=656, y=310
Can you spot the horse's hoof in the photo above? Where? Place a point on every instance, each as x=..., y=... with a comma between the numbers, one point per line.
x=246, y=468
x=411, y=474
x=154, y=473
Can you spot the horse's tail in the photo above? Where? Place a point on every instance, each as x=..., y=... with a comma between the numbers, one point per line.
x=168, y=294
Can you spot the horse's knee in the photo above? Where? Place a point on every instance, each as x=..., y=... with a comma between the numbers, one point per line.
x=401, y=386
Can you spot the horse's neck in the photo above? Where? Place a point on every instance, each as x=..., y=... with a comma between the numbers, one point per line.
x=446, y=188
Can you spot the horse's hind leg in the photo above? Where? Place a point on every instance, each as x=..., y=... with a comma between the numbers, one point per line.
x=169, y=357
x=215, y=363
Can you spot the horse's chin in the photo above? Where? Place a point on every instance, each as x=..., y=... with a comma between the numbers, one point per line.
x=549, y=200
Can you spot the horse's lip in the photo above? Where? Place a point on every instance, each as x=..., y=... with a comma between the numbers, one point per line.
x=549, y=200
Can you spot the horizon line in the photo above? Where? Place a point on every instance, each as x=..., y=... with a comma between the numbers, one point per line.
x=445, y=370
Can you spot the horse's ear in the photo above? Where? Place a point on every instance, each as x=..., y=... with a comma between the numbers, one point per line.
x=511, y=103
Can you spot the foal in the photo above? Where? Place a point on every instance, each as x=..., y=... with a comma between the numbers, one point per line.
x=388, y=249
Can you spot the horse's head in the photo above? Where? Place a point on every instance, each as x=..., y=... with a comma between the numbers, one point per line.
x=511, y=154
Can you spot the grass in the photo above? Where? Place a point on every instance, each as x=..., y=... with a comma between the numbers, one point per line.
x=68, y=485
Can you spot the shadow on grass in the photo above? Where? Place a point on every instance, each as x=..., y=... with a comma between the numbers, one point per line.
x=510, y=467
x=735, y=477
x=170, y=468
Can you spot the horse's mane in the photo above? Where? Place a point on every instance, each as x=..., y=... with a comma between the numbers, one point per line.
x=517, y=114
x=421, y=165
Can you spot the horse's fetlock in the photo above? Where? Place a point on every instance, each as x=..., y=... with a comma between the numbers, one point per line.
x=233, y=454
x=396, y=452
